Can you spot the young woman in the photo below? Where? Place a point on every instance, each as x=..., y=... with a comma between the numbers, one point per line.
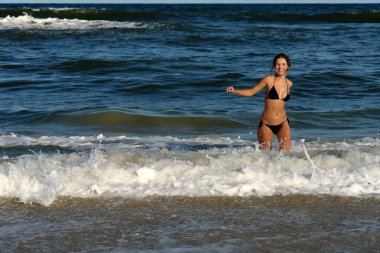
x=277, y=92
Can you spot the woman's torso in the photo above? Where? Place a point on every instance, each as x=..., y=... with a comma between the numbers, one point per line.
x=276, y=95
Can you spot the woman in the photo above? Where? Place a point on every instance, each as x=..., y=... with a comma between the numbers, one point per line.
x=277, y=92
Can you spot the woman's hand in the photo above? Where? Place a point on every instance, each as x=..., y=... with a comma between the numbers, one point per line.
x=230, y=89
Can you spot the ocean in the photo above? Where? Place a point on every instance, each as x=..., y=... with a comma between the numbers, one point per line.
x=117, y=135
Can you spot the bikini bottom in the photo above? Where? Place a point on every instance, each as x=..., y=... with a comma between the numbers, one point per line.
x=274, y=128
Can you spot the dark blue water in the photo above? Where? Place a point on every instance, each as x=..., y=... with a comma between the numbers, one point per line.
x=163, y=69
x=117, y=135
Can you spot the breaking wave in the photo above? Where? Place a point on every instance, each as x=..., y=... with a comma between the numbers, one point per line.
x=137, y=167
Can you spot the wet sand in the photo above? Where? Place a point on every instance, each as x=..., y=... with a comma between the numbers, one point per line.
x=273, y=224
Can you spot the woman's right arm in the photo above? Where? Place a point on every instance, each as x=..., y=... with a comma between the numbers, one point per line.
x=249, y=92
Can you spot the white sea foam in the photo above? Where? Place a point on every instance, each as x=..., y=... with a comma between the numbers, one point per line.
x=135, y=167
x=28, y=22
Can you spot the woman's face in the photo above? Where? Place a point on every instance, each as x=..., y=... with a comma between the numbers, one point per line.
x=281, y=66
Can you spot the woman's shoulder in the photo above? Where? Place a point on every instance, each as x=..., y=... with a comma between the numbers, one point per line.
x=290, y=83
x=269, y=78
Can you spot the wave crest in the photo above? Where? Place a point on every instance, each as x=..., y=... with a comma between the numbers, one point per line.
x=138, y=167
x=28, y=22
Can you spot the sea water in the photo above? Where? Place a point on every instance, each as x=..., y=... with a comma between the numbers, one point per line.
x=117, y=133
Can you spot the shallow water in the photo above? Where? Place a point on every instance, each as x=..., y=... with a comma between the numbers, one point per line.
x=295, y=223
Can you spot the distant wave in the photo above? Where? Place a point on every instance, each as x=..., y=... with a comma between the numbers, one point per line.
x=121, y=15
x=28, y=22
x=87, y=13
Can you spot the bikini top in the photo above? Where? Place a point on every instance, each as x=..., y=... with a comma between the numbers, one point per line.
x=272, y=94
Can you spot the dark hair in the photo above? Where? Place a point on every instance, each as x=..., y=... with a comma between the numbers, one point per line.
x=281, y=55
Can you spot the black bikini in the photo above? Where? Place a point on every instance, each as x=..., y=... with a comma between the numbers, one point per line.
x=273, y=95
x=274, y=128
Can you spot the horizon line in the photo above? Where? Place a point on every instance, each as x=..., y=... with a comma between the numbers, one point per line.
x=199, y=3
x=190, y=2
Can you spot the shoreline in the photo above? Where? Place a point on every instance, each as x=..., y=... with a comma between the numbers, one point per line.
x=292, y=223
